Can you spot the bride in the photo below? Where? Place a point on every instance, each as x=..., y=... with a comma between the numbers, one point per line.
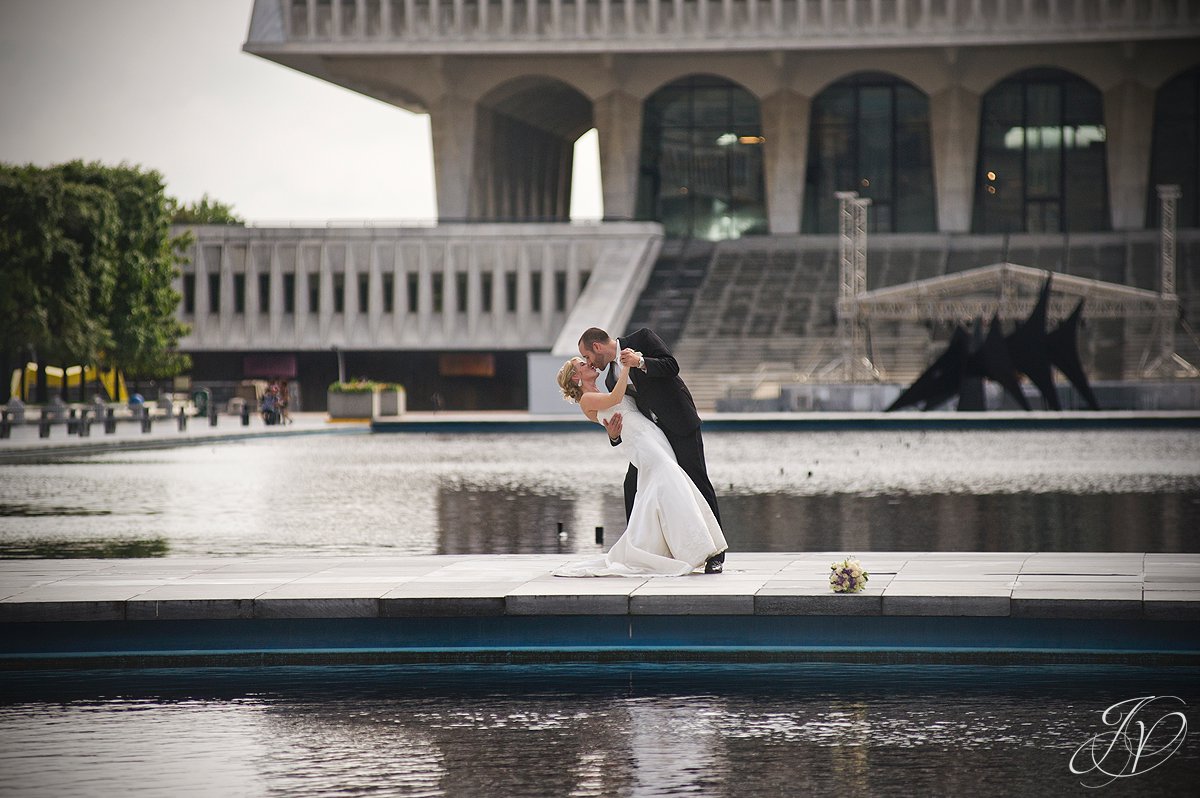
x=672, y=530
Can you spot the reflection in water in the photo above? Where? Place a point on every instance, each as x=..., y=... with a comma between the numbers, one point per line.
x=486, y=521
x=33, y=510
x=623, y=730
x=441, y=493
x=964, y=522
x=83, y=549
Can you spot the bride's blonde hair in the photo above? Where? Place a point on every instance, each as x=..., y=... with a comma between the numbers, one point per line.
x=571, y=390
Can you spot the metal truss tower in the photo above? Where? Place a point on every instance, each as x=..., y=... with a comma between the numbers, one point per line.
x=1167, y=363
x=852, y=226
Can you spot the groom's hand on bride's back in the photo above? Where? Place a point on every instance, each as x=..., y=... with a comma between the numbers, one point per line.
x=613, y=427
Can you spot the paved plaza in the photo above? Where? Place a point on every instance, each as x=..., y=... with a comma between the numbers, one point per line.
x=25, y=443
x=1028, y=585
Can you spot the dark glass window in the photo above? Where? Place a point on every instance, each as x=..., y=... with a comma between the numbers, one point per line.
x=701, y=170
x=289, y=293
x=414, y=295
x=535, y=292
x=437, y=292
x=189, y=294
x=1175, y=155
x=214, y=293
x=560, y=292
x=264, y=293
x=389, y=293
x=339, y=293
x=510, y=292
x=1041, y=166
x=364, y=293
x=239, y=293
x=870, y=133
x=460, y=291
x=485, y=292
x=314, y=292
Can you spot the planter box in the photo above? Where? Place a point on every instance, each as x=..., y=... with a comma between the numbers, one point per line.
x=365, y=406
x=392, y=403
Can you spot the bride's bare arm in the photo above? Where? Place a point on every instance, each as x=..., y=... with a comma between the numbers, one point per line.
x=594, y=402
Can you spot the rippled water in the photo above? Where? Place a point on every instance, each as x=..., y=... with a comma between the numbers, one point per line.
x=579, y=730
x=420, y=494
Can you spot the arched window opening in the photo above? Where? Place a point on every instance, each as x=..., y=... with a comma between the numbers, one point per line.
x=526, y=131
x=701, y=168
x=1041, y=166
x=1175, y=154
x=870, y=133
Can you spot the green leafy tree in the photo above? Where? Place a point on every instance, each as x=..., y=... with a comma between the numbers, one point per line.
x=205, y=211
x=87, y=262
x=141, y=319
x=57, y=262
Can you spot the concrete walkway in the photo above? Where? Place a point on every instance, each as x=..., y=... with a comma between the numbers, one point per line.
x=26, y=445
x=1049, y=585
x=919, y=608
x=513, y=421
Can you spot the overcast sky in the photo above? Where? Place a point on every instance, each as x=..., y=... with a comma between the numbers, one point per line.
x=165, y=84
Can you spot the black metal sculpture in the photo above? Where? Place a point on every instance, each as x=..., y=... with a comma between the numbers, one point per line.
x=1028, y=350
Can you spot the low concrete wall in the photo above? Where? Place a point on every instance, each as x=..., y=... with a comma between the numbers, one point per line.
x=1176, y=395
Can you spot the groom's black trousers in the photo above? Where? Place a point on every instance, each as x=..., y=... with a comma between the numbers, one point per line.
x=689, y=452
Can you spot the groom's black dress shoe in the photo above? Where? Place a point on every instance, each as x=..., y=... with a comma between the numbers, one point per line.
x=715, y=564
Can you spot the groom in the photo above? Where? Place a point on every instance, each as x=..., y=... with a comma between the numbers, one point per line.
x=662, y=397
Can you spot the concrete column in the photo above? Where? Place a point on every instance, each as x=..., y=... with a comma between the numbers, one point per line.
x=350, y=271
x=302, y=318
x=524, y=290
x=425, y=293
x=785, y=121
x=1129, y=123
x=200, y=317
x=452, y=124
x=325, y=312
x=253, y=321
x=375, y=293
x=449, y=291
x=399, y=291
x=954, y=137
x=474, y=293
x=618, y=118
x=483, y=204
x=226, y=315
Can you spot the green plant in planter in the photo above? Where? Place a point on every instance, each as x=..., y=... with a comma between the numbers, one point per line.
x=354, y=386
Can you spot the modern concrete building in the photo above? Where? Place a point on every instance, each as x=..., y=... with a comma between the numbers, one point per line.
x=965, y=122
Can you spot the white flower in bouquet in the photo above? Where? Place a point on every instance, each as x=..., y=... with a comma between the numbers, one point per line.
x=847, y=576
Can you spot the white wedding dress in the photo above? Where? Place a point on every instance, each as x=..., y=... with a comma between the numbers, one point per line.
x=672, y=530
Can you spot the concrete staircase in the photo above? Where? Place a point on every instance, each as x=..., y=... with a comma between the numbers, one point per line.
x=745, y=316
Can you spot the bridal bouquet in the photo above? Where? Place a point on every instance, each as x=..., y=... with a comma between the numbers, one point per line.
x=848, y=576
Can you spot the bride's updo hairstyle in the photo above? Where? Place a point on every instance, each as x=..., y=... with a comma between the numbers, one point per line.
x=571, y=390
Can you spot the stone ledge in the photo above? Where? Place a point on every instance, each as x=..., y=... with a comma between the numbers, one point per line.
x=1052, y=585
x=946, y=605
x=786, y=603
x=1076, y=608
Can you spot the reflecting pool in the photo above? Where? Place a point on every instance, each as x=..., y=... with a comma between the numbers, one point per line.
x=501, y=493
x=617, y=730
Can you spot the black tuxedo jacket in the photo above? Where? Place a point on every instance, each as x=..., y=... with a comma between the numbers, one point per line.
x=659, y=388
